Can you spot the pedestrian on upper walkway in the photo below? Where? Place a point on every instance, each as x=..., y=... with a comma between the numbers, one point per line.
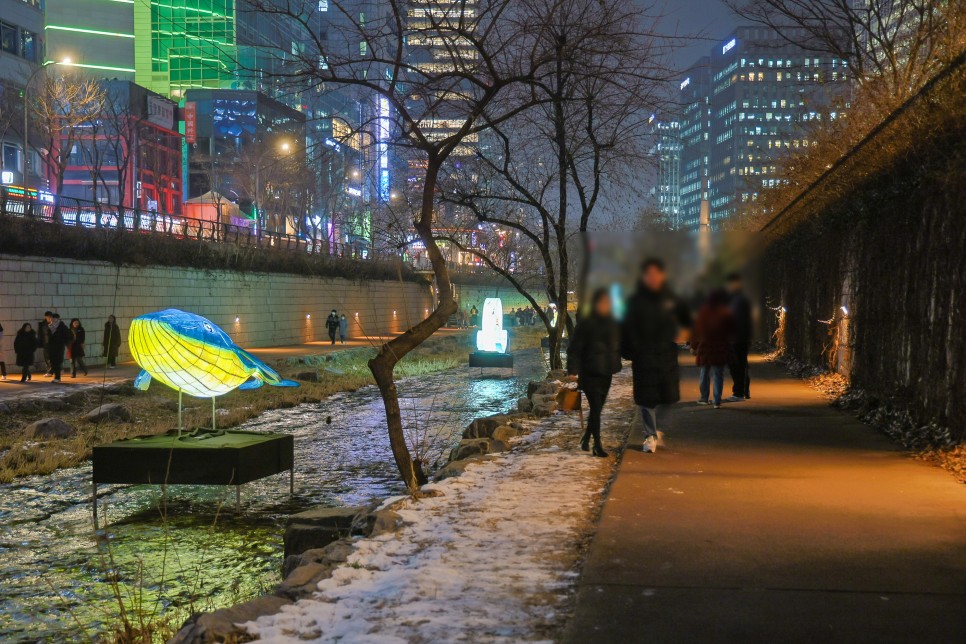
x=343, y=328
x=332, y=325
x=713, y=332
x=655, y=322
x=474, y=316
x=112, y=341
x=25, y=346
x=57, y=343
x=594, y=356
x=76, y=351
x=741, y=341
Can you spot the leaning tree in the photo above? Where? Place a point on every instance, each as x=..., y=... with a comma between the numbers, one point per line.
x=426, y=62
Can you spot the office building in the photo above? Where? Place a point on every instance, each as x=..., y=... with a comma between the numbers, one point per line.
x=667, y=152
x=695, y=142
x=242, y=145
x=96, y=36
x=21, y=53
x=130, y=154
x=762, y=99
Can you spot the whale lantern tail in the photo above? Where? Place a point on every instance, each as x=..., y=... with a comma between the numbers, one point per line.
x=263, y=373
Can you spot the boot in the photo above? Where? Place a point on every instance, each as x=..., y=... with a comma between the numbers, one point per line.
x=585, y=443
x=599, y=450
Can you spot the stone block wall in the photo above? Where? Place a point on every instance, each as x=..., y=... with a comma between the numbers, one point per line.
x=256, y=309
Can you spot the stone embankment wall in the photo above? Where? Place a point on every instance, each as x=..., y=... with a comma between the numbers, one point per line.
x=866, y=271
x=256, y=309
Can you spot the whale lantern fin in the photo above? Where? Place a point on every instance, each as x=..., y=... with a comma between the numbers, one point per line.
x=264, y=373
x=143, y=381
x=254, y=383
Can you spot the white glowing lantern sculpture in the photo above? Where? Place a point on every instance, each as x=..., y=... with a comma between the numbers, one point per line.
x=492, y=338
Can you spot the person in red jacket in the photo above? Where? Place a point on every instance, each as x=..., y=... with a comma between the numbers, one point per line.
x=713, y=331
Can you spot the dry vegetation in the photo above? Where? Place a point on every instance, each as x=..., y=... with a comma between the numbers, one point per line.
x=154, y=411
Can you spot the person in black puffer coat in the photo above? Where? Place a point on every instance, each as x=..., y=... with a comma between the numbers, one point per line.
x=594, y=356
x=655, y=323
x=25, y=346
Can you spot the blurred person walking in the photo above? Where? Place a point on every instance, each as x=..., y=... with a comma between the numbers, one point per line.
x=75, y=351
x=741, y=341
x=343, y=327
x=60, y=338
x=3, y=364
x=655, y=323
x=713, y=332
x=43, y=340
x=594, y=356
x=112, y=341
x=332, y=325
x=25, y=347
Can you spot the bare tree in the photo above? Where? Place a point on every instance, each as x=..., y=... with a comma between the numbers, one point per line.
x=63, y=108
x=423, y=61
x=542, y=175
x=893, y=45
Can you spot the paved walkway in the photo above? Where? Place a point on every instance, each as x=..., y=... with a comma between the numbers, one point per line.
x=40, y=386
x=775, y=520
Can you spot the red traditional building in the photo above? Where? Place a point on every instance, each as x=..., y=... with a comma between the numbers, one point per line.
x=130, y=154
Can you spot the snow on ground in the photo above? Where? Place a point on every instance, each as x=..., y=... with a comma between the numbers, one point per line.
x=492, y=558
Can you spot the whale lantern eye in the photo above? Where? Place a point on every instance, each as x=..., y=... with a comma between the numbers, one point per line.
x=208, y=328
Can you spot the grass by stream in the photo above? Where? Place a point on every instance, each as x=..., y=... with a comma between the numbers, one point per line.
x=155, y=411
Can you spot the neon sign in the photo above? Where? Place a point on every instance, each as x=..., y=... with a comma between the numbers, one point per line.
x=728, y=46
x=685, y=82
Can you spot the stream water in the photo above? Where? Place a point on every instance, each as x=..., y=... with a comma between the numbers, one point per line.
x=60, y=578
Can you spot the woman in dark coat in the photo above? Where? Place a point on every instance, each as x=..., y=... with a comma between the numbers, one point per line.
x=76, y=349
x=25, y=346
x=594, y=356
x=713, y=332
x=112, y=341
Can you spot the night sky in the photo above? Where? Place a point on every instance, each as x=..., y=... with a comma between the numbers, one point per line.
x=710, y=20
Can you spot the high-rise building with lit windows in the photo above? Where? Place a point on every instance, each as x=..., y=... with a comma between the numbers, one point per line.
x=695, y=142
x=667, y=152
x=21, y=52
x=762, y=99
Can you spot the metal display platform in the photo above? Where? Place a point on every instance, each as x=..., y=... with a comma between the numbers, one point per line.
x=205, y=458
x=484, y=359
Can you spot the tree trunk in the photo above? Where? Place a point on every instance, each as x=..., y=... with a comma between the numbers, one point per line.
x=392, y=352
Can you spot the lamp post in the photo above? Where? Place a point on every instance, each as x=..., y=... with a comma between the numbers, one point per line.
x=26, y=91
x=284, y=147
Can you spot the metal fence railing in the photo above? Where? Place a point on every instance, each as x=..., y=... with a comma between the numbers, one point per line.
x=68, y=211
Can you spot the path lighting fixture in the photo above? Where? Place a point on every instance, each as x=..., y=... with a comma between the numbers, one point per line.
x=845, y=311
x=308, y=316
x=237, y=320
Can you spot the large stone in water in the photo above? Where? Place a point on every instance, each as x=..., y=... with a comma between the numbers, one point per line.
x=49, y=428
x=220, y=625
x=319, y=527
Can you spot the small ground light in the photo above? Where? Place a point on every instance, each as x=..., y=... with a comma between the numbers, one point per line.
x=845, y=311
x=394, y=314
x=308, y=316
x=237, y=320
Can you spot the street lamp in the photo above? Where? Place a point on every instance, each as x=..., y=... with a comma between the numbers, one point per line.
x=26, y=91
x=284, y=147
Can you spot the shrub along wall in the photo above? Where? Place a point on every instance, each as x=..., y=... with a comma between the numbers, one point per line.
x=883, y=235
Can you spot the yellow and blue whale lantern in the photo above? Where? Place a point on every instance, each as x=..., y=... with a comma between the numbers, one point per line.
x=193, y=355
